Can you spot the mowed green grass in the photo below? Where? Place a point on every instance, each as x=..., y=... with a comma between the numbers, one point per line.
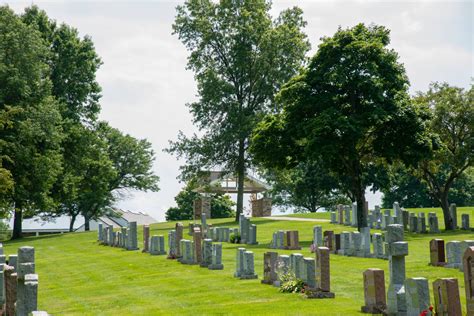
x=79, y=277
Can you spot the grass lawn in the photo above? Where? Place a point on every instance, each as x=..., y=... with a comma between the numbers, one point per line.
x=79, y=277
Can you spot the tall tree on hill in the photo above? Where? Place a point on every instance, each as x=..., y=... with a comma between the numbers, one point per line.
x=350, y=107
x=32, y=144
x=240, y=57
x=452, y=110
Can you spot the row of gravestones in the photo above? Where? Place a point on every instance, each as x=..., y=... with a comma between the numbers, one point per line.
x=454, y=252
x=125, y=238
x=416, y=223
x=285, y=239
x=246, y=231
x=19, y=283
x=412, y=296
x=314, y=272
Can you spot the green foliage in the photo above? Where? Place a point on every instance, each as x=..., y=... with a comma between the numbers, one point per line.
x=350, y=107
x=221, y=205
x=235, y=238
x=289, y=282
x=452, y=123
x=307, y=187
x=73, y=62
x=240, y=57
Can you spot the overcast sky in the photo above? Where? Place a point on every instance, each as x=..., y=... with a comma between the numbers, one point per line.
x=146, y=86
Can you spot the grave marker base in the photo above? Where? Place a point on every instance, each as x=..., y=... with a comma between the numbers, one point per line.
x=215, y=266
x=318, y=294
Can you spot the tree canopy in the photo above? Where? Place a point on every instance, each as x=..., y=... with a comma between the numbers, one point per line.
x=240, y=57
x=350, y=107
x=452, y=123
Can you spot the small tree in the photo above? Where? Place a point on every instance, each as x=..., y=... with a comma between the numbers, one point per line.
x=221, y=205
x=452, y=122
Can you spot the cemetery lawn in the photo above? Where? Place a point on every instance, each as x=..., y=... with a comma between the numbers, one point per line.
x=79, y=277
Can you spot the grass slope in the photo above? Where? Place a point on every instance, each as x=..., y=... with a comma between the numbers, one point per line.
x=79, y=277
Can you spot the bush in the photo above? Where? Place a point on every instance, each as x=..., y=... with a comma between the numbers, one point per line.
x=235, y=238
x=289, y=282
x=4, y=233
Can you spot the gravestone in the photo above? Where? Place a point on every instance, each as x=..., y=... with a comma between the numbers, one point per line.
x=417, y=295
x=296, y=264
x=244, y=227
x=378, y=218
x=283, y=266
x=378, y=246
x=248, y=271
x=323, y=275
x=453, y=254
x=333, y=217
x=157, y=245
x=179, y=235
x=397, y=250
x=413, y=221
x=146, y=238
x=270, y=260
x=446, y=297
x=405, y=216
x=398, y=213
x=464, y=245
x=337, y=243
x=10, y=289
x=365, y=249
x=421, y=223
x=292, y=240
x=216, y=257
x=468, y=267
x=239, y=263
x=309, y=267
x=202, y=205
x=100, y=236
x=340, y=211
x=197, y=238
x=27, y=295
x=433, y=223
x=329, y=240
x=345, y=244
x=110, y=237
x=172, y=253
x=356, y=244
x=206, y=253
x=347, y=218
x=252, y=235
x=465, y=222
x=374, y=291
x=318, y=236
x=437, y=254
x=132, y=236
x=354, y=215
x=454, y=214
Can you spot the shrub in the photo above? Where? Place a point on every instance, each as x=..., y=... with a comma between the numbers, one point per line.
x=235, y=238
x=289, y=283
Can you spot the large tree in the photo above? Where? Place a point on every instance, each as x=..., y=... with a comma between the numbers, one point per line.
x=33, y=141
x=351, y=107
x=240, y=57
x=452, y=110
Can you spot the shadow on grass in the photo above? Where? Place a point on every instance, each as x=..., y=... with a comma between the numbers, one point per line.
x=33, y=238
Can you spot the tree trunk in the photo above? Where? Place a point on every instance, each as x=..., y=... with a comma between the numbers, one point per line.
x=240, y=179
x=361, y=215
x=448, y=219
x=86, y=223
x=17, y=221
x=71, y=223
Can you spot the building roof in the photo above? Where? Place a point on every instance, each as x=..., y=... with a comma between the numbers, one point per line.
x=60, y=223
x=139, y=217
